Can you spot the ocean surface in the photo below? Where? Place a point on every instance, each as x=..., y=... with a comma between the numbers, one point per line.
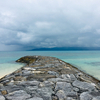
x=87, y=61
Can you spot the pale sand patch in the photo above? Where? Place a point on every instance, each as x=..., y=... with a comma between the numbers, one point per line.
x=7, y=68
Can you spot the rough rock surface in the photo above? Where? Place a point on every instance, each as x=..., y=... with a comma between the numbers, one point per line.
x=48, y=78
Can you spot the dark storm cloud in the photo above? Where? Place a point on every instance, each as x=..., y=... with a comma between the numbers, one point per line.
x=29, y=24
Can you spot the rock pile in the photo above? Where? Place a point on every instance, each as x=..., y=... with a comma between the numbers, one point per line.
x=48, y=78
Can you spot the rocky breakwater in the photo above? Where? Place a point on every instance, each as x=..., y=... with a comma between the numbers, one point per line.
x=48, y=78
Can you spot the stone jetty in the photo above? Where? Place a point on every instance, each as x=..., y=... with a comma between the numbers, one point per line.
x=48, y=78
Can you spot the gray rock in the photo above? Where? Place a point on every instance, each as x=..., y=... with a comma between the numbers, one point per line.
x=70, y=98
x=71, y=94
x=13, y=88
x=1, y=85
x=57, y=64
x=26, y=72
x=53, y=73
x=45, y=92
x=59, y=80
x=2, y=97
x=85, y=96
x=2, y=88
x=70, y=77
x=18, y=95
x=29, y=68
x=63, y=76
x=41, y=84
x=18, y=74
x=29, y=83
x=47, y=66
x=95, y=94
x=35, y=98
x=11, y=82
x=46, y=84
x=79, y=74
x=75, y=89
x=31, y=89
x=5, y=81
x=96, y=98
x=54, y=97
x=63, y=86
x=33, y=93
x=61, y=95
x=46, y=97
x=84, y=86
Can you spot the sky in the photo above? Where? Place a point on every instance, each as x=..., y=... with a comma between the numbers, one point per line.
x=30, y=24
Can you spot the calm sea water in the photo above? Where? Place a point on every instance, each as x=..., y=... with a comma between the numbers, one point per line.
x=88, y=61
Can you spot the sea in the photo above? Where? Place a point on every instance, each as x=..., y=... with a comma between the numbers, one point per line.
x=87, y=61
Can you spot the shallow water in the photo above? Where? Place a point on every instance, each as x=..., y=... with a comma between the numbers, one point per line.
x=88, y=61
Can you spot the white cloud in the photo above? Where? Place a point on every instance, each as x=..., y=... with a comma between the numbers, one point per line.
x=97, y=31
x=86, y=29
x=25, y=38
x=42, y=23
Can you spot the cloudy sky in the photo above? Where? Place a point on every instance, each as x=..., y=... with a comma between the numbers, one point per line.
x=29, y=24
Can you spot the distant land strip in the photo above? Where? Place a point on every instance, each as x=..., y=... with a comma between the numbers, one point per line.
x=65, y=49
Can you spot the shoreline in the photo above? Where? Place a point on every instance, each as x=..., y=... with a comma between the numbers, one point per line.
x=25, y=64
x=48, y=78
x=7, y=70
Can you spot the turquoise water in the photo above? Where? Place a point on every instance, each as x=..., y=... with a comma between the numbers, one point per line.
x=88, y=61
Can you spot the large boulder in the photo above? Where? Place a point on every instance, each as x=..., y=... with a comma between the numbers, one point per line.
x=83, y=86
x=18, y=95
x=63, y=86
x=2, y=97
